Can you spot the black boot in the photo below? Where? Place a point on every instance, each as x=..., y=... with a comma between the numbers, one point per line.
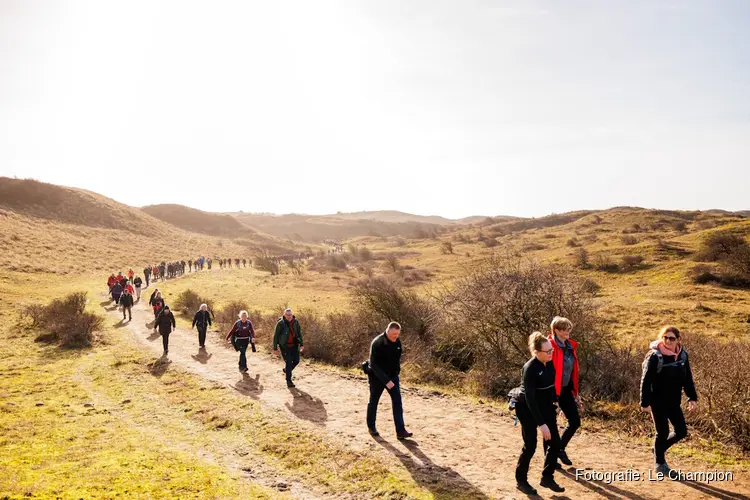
x=549, y=482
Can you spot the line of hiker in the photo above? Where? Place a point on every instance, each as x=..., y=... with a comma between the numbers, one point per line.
x=550, y=380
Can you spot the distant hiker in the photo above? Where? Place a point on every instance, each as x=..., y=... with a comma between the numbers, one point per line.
x=666, y=372
x=116, y=292
x=244, y=262
x=129, y=287
x=137, y=283
x=157, y=303
x=384, y=367
x=147, y=274
x=155, y=272
x=153, y=294
x=208, y=263
x=190, y=265
x=111, y=281
x=131, y=274
x=287, y=338
x=166, y=323
x=162, y=271
x=123, y=282
x=237, y=263
x=241, y=335
x=202, y=318
x=536, y=409
x=221, y=263
x=565, y=361
x=126, y=302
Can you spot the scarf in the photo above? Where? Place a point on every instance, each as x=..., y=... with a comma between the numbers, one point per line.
x=664, y=350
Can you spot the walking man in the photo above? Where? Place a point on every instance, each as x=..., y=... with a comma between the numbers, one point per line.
x=166, y=323
x=384, y=369
x=202, y=318
x=138, y=282
x=287, y=339
x=126, y=302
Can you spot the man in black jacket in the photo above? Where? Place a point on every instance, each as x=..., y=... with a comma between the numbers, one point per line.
x=202, y=318
x=166, y=323
x=385, y=366
x=126, y=302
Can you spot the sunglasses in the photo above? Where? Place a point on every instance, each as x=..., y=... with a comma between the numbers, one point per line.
x=671, y=339
x=549, y=351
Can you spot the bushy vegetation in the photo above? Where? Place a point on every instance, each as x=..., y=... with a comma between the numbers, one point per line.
x=188, y=302
x=731, y=252
x=63, y=321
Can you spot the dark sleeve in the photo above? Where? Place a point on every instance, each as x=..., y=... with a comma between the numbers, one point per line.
x=529, y=389
x=174, y=323
x=252, y=329
x=690, y=391
x=232, y=331
x=649, y=371
x=208, y=317
x=374, y=345
x=195, y=319
x=299, y=331
x=276, y=333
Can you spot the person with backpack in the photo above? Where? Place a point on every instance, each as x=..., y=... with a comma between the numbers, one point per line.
x=202, y=318
x=536, y=409
x=138, y=282
x=287, y=339
x=155, y=272
x=565, y=361
x=166, y=323
x=126, y=303
x=666, y=373
x=241, y=335
x=383, y=369
x=111, y=281
x=157, y=303
x=116, y=292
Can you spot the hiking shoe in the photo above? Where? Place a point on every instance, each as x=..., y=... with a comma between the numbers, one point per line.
x=525, y=487
x=549, y=482
x=564, y=457
x=290, y=384
x=373, y=431
x=663, y=468
x=283, y=370
x=404, y=435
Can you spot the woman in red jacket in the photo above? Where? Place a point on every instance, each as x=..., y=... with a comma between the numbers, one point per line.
x=565, y=361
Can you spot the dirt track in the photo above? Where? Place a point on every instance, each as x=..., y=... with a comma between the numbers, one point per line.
x=469, y=445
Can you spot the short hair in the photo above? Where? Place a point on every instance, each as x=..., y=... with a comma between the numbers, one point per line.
x=241, y=313
x=393, y=325
x=669, y=329
x=201, y=307
x=536, y=340
x=288, y=309
x=560, y=323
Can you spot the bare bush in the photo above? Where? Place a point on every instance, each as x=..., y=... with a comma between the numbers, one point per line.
x=573, y=242
x=188, y=302
x=628, y=239
x=392, y=261
x=63, y=321
x=603, y=262
x=446, y=247
x=264, y=262
x=581, y=258
x=630, y=262
x=505, y=299
x=720, y=245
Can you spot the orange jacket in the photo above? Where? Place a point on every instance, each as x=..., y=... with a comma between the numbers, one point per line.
x=557, y=362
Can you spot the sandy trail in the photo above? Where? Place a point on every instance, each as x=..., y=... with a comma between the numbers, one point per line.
x=456, y=443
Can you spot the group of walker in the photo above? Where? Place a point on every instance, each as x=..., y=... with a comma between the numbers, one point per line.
x=549, y=379
x=550, y=383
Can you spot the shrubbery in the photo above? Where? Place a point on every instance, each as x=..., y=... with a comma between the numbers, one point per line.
x=188, y=302
x=63, y=321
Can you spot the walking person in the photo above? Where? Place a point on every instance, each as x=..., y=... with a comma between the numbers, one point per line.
x=126, y=303
x=287, y=339
x=147, y=274
x=138, y=282
x=157, y=303
x=241, y=335
x=116, y=292
x=565, y=361
x=383, y=374
x=202, y=318
x=536, y=410
x=666, y=373
x=166, y=323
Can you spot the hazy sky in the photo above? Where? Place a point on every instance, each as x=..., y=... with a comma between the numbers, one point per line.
x=432, y=107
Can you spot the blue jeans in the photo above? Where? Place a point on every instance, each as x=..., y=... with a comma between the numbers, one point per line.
x=243, y=358
x=376, y=390
x=291, y=359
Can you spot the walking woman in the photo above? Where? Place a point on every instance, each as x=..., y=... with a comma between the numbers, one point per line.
x=166, y=323
x=202, y=318
x=241, y=335
x=536, y=411
x=666, y=372
x=565, y=361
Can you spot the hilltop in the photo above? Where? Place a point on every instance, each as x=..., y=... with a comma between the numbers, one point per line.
x=198, y=221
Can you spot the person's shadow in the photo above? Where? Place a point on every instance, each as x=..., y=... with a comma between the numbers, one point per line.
x=443, y=482
x=307, y=407
x=714, y=492
x=249, y=386
x=202, y=357
x=121, y=323
x=154, y=335
x=158, y=367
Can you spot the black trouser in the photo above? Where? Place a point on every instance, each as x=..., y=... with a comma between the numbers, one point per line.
x=662, y=414
x=376, y=390
x=529, y=433
x=116, y=298
x=147, y=280
x=242, y=347
x=129, y=310
x=569, y=407
x=202, y=335
x=291, y=358
x=165, y=341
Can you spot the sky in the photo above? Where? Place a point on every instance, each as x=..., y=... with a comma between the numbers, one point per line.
x=451, y=108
